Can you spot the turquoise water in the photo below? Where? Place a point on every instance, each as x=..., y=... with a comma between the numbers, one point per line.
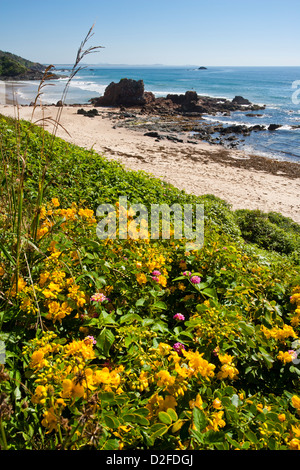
x=276, y=87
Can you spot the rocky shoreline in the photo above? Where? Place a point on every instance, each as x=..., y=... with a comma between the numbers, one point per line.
x=176, y=115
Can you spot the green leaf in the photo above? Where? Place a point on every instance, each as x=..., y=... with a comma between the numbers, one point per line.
x=212, y=437
x=160, y=305
x=164, y=417
x=231, y=441
x=142, y=411
x=107, y=396
x=177, y=425
x=158, y=430
x=111, y=421
x=172, y=413
x=105, y=341
x=135, y=418
x=111, y=444
x=130, y=318
x=251, y=436
x=210, y=292
x=199, y=419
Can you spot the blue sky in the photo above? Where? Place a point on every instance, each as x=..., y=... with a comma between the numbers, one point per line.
x=169, y=32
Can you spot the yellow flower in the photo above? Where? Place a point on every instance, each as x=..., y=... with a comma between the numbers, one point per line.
x=70, y=389
x=43, y=212
x=55, y=202
x=295, y=444
x=44, y=277
x=217, y=421
x=39, y=395
x=50, y=420
x=198, y=402
x=217, y=404
x=296, y=431
x=52, y=290
x=279, y=334
x=80, y=349
x=38, y=360
x=260, y=407
x=42, y=231
x=227, y=371
x=226, y=358
x=162, y=280
x=296, y=402
x=143, y=379
x=58, y=311
x=141, y=278
x=285, y=357
x=168, y=402
x=77, y=295
x=281, y=417
x=198, y=365
x=21, y=285
x=164, y=378
x=60, y=402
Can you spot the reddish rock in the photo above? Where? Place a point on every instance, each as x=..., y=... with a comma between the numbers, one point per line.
x=127, y=92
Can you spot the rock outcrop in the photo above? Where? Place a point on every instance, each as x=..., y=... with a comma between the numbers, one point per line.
x=127, y=92
x=131, y=93
x=240, y=100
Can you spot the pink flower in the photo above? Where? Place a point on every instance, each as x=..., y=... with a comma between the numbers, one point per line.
x=155, y=278
x=195, y=279
x=293, y=354
x=179, y=316
x=156, y=273
x=90, y=339
x=178, y=347
x=98, y=297
x=187, y=273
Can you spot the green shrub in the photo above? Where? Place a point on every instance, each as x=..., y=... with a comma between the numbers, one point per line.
x=269, y=231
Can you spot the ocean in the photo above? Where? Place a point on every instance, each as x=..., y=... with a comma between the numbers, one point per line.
x=278, y=88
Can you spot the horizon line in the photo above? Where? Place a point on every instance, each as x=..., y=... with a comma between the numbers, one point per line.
x=102, y=64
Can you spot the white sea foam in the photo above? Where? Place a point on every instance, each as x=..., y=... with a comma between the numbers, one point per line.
x=88, y=86
x=230, y=123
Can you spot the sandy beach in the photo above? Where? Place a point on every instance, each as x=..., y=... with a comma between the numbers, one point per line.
x=246, y=182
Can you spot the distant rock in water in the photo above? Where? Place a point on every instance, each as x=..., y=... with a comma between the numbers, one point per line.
x=273, y=127
x=202, y=68
x=240, y=100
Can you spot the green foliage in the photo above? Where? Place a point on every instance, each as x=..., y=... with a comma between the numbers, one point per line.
x=269, y=231
x=13, y=66
x=95, y=357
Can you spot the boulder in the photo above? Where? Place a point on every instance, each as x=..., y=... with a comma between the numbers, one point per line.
x=273, y=127
x=127, y=92
x=240, y=100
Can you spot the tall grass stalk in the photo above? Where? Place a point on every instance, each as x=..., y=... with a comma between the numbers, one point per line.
x=24, y=222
